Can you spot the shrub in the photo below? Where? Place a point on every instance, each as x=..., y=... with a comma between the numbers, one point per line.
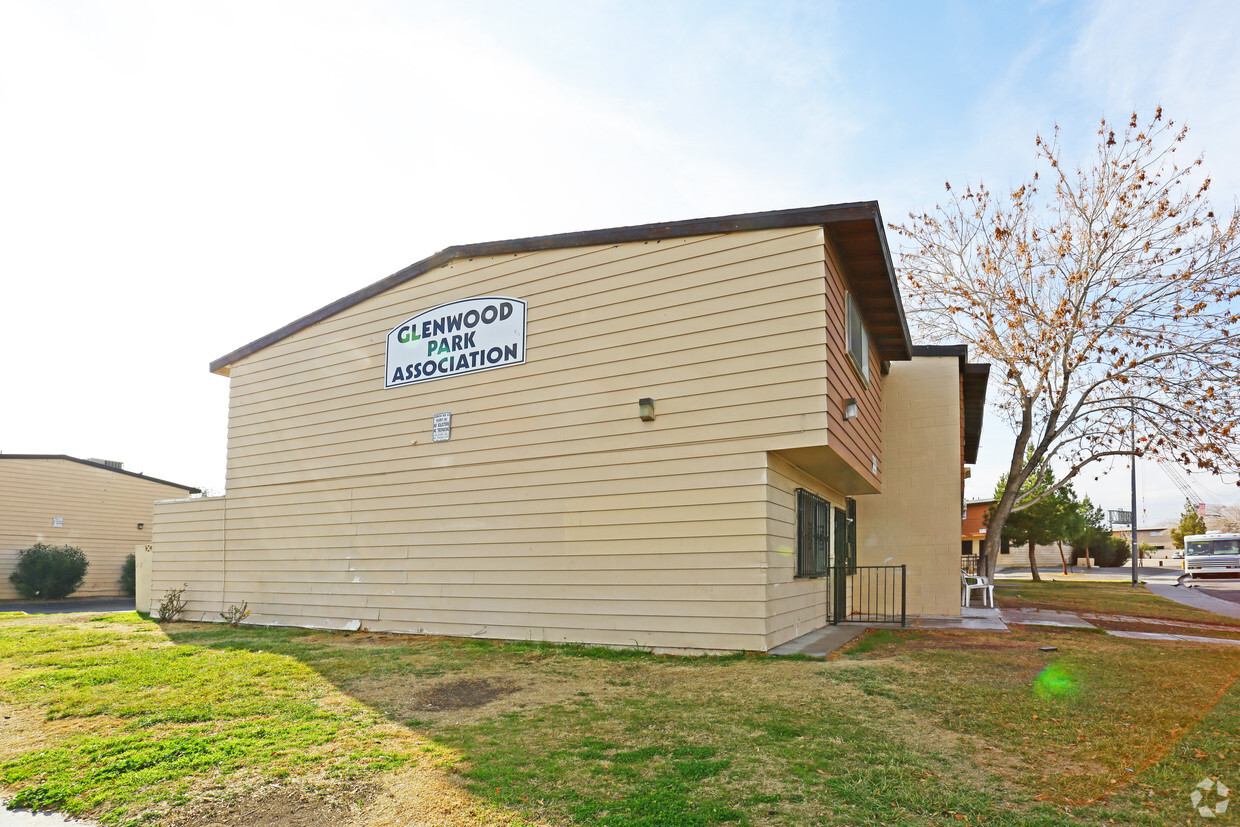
x=49, y=572
x=129, y=577
x=1116, y=554
x=236, y=614
x=173, y=605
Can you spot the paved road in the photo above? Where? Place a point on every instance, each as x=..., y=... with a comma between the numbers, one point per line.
x=86, y=604
x=1222, y=588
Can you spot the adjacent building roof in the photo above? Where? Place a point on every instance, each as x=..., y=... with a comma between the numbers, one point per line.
x=105, y=467
x=856, y=231
x=975, y=378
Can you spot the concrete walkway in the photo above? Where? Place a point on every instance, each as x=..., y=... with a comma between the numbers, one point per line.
x=822, y=642
x=1189, y=596
x=24, y=818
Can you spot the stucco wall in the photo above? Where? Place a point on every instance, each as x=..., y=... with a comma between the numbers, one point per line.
x=916, y=518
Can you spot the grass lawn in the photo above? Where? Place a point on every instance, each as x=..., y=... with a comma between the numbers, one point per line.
x=136, y=722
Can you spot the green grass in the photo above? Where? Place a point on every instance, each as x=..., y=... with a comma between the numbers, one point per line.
x=151, y=718
x=917, y=728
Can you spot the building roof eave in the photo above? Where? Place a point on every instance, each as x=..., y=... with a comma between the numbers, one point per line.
x=856, y=230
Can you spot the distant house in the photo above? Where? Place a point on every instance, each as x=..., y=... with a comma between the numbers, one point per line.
x=683, y=436
x=1157, y=536
x=95, y=505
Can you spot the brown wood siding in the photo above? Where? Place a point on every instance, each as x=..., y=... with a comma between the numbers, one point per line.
x=100, y=508
x=855, y=440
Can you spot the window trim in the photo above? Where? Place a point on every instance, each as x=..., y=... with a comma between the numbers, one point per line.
x=861, y=364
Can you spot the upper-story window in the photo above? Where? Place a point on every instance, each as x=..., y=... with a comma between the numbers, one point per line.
x=858, y=341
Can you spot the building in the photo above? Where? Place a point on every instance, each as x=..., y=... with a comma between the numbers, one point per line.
x=94, y=505
x=1157, y=536
x=660, y=436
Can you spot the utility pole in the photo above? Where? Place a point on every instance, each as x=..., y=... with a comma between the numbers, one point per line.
x=1135, y=551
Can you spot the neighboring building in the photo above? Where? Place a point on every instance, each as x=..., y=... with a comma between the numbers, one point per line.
x=95, y=505
x=657, y=436
x=973, y=526
x=1157, y=536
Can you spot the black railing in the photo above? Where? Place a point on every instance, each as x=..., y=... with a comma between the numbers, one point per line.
x=968, y=563
x=869, y=594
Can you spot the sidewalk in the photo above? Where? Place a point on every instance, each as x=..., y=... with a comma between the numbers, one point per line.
x=24, y=818
x=822, y=642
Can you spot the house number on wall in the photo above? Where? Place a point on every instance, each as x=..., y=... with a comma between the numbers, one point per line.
x=441, y=427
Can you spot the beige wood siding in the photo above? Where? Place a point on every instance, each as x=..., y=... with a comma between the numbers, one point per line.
x=553, y=512
x=795, y=605
x=100, y=508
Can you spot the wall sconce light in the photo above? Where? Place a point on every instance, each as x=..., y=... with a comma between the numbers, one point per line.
x=645, y=409
x=850, y=408
x=140, y=526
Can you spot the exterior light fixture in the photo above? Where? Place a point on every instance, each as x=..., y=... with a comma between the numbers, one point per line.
x=645, y=409
x=140, y=526
x=850, y=408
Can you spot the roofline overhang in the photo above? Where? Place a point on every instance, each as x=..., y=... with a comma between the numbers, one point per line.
x=882, y=297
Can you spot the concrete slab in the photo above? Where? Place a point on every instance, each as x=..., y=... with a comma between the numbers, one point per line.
x=1044, y=617
x=821, y=642
x=1161, y=636
x=969, y=619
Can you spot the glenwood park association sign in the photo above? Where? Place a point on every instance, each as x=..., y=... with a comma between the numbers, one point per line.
x=465, y=336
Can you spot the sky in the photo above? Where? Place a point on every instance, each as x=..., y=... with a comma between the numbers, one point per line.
x=178, y=179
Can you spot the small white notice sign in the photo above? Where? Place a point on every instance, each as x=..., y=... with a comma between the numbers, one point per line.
x=58, y=522
x=441, y=427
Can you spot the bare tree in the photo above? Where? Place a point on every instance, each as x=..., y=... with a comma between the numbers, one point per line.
x=1108, y=304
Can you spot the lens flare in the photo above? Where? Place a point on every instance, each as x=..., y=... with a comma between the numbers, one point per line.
x=1055, y=681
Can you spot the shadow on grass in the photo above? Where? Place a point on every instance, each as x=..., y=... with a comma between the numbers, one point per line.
x=906, y=727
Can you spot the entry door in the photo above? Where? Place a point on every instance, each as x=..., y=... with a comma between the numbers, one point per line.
x=837, y=589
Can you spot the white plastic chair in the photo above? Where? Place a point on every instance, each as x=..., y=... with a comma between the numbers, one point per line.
x=971, y=582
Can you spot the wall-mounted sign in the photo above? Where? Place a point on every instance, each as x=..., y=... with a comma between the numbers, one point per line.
x=58, y=522
x=456, y=338
x=441, y=427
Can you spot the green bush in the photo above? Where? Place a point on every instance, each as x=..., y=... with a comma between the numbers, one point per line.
x=49, y=572
x=129, y=576
x=1108, y=552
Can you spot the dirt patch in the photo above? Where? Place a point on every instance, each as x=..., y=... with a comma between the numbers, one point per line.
x=274, y=806
x=463, y=693
x=1138, y=624
x=419, y=795
x=463, y=699
x=24, y=729
x=1164, y=628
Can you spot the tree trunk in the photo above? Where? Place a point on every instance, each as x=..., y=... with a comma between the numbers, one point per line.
x=1062, y=559
x=1033, y=563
